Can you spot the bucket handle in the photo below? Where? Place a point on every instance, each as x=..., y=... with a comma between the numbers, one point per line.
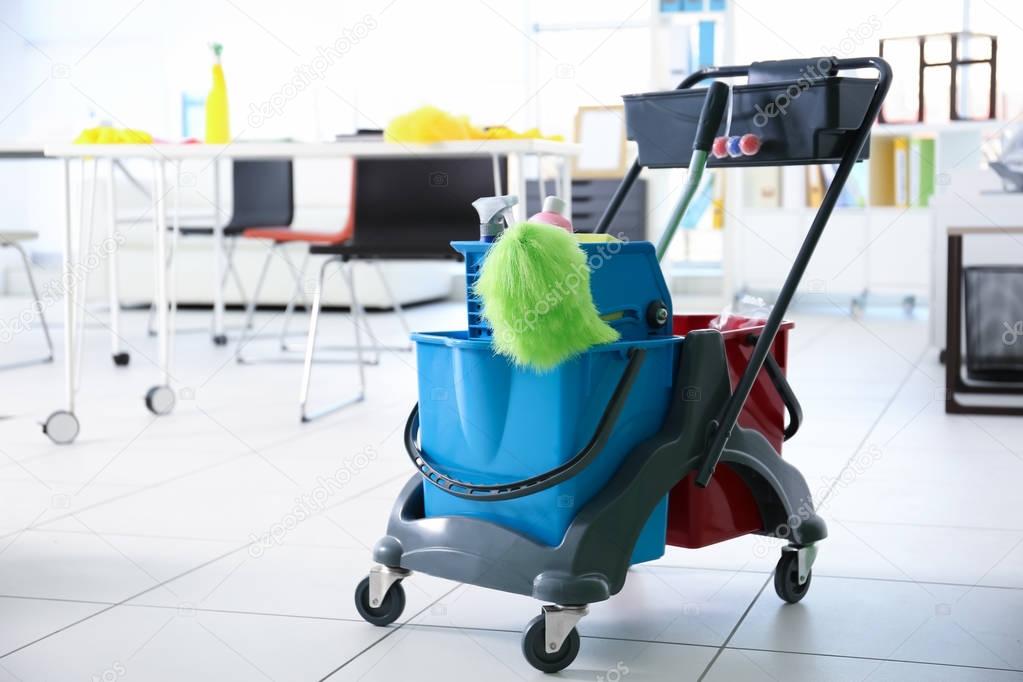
x=493, y=492
x=784, y=389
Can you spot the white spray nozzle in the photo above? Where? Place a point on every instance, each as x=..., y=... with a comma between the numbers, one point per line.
x=495, y=214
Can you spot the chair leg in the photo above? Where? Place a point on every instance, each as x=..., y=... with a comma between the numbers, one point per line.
x=310, y=346
x=231, y=269
x=39, y=309
x=250, y=308
x=361, y=320
x=299, y=290
x=398, y=309
x=38, y=301
x=358, y=314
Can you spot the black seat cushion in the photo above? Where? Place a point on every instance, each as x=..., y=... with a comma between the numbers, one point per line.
x=193, y=230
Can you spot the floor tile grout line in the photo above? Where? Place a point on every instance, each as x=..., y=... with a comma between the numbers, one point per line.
x=153, y=486
x=184, y=538
x=731, y=648
x=390, y=632
x=839, y=576
x=735, y=628
x=908, y=661
x=412, y=624
x=828, y=576
x=119, y=603
x=935, y=526
x=873, y=426
x=124, y=602
x=116, y=498
x=157, y=484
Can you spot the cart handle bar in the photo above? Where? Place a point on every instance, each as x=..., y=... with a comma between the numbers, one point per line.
x=494, y=492
x=735, y=404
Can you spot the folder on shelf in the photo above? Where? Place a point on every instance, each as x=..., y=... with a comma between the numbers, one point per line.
x=921, y=170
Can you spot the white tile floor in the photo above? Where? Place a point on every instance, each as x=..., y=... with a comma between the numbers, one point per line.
x=155, y=549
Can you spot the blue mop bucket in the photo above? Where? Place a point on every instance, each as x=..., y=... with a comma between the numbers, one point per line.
x=484, y=420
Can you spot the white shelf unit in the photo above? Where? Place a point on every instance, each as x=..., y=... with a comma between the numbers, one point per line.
x=880, y=252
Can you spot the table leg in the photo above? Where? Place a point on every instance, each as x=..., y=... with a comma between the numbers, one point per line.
x=87, y=220
x=495, y=161
x=121, y=358
x=172, y=289
x=953, y=323
x=565, y=185
x=954, y=382
x=520, y=184
x=219, y=338
x=62, y=425
x=160, y=398
x=70, y=325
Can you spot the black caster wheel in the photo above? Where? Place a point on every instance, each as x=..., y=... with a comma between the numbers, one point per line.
x=534, y=647
x=61, y=427
x=220, y=340
x=160, y=400
x=390, y=608
x=122, y=359
x=786, y=578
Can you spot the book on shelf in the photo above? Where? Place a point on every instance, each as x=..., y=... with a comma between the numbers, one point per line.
x=900, y=159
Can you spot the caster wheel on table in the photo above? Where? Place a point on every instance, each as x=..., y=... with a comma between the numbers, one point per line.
x=786, y=578
x=122, y=359
x=160, y=400
x=389, y=609
x=220, y=340
x=534, y=647
x=61, y=427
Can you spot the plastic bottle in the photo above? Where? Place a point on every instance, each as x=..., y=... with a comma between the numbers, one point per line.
x=218, y=130
x=553, y=213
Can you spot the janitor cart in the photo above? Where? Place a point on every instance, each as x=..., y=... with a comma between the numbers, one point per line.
x=551, y=485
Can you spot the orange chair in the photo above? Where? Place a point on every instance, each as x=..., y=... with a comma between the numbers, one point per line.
x=280, y=237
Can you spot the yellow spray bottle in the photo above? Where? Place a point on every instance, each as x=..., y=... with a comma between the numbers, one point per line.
x=217, y=129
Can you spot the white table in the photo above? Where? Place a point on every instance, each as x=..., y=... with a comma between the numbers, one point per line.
x=973, y=201
x=62, y=425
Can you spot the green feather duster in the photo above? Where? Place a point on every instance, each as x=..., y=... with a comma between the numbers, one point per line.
x=535, y=288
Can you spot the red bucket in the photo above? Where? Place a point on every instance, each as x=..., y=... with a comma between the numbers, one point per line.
x=726, y=509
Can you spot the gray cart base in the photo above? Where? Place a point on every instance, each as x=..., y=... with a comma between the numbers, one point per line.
x=591, y=563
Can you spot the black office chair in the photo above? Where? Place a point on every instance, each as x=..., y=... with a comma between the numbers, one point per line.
x=404, y=209
x=263, y=196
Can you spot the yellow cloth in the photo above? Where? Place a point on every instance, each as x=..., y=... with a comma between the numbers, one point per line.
x=430, y=124
x=588, y=238
x=109, y=135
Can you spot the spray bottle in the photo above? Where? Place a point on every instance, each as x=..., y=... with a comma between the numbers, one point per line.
x=495, y=215
x=217, y=129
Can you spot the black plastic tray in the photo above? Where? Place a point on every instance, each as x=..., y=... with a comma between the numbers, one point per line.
x=799, y=122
